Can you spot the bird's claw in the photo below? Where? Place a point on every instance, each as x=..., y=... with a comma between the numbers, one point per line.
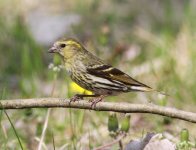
x=76, y=98
x=95, y=101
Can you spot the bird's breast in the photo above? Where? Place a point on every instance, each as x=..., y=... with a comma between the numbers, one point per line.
x=68, y=68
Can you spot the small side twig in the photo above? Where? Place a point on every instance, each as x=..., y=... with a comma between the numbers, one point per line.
x=103, y=147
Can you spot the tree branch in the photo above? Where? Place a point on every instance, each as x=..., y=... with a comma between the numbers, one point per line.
x=101, y=106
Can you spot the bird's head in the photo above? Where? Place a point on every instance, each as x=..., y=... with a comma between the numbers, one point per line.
x=66, y=48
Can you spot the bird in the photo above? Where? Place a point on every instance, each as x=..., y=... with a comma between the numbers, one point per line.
x=93, y=74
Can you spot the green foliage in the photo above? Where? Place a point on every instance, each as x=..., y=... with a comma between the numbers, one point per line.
x=184, y=135
x=125, y=123
x=16, y=45
x=116, y=127
x=185, y=143
x=12, y=125
x=113, y=123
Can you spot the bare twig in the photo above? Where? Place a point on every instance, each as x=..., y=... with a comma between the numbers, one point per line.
x=103, y=147
x=102, y=106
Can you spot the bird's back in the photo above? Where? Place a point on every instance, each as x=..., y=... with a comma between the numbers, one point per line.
x=100, y=77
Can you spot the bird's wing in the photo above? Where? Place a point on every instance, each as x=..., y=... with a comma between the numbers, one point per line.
x=116, y=76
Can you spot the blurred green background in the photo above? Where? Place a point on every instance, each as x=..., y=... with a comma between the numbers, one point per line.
x=153, y=41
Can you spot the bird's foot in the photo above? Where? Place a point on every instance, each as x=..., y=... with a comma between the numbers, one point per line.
x=75, y=98
x=95, y=101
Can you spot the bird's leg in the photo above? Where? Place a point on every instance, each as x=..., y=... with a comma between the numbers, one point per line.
x=79, y=97
x=96, y=100
x=76, y=97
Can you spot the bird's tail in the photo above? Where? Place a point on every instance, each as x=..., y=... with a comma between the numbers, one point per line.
x=141, y=88
x=145, y=88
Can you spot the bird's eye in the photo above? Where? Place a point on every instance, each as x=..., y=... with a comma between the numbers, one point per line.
x=62, y=45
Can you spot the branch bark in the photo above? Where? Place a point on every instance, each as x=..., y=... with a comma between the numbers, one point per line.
x=101, y=106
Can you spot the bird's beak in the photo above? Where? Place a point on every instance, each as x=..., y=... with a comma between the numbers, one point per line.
x=53, y=50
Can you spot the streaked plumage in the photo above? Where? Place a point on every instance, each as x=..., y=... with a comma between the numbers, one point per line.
x=92, y=73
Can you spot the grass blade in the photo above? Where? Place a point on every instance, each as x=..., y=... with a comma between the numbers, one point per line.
x=15, y=132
